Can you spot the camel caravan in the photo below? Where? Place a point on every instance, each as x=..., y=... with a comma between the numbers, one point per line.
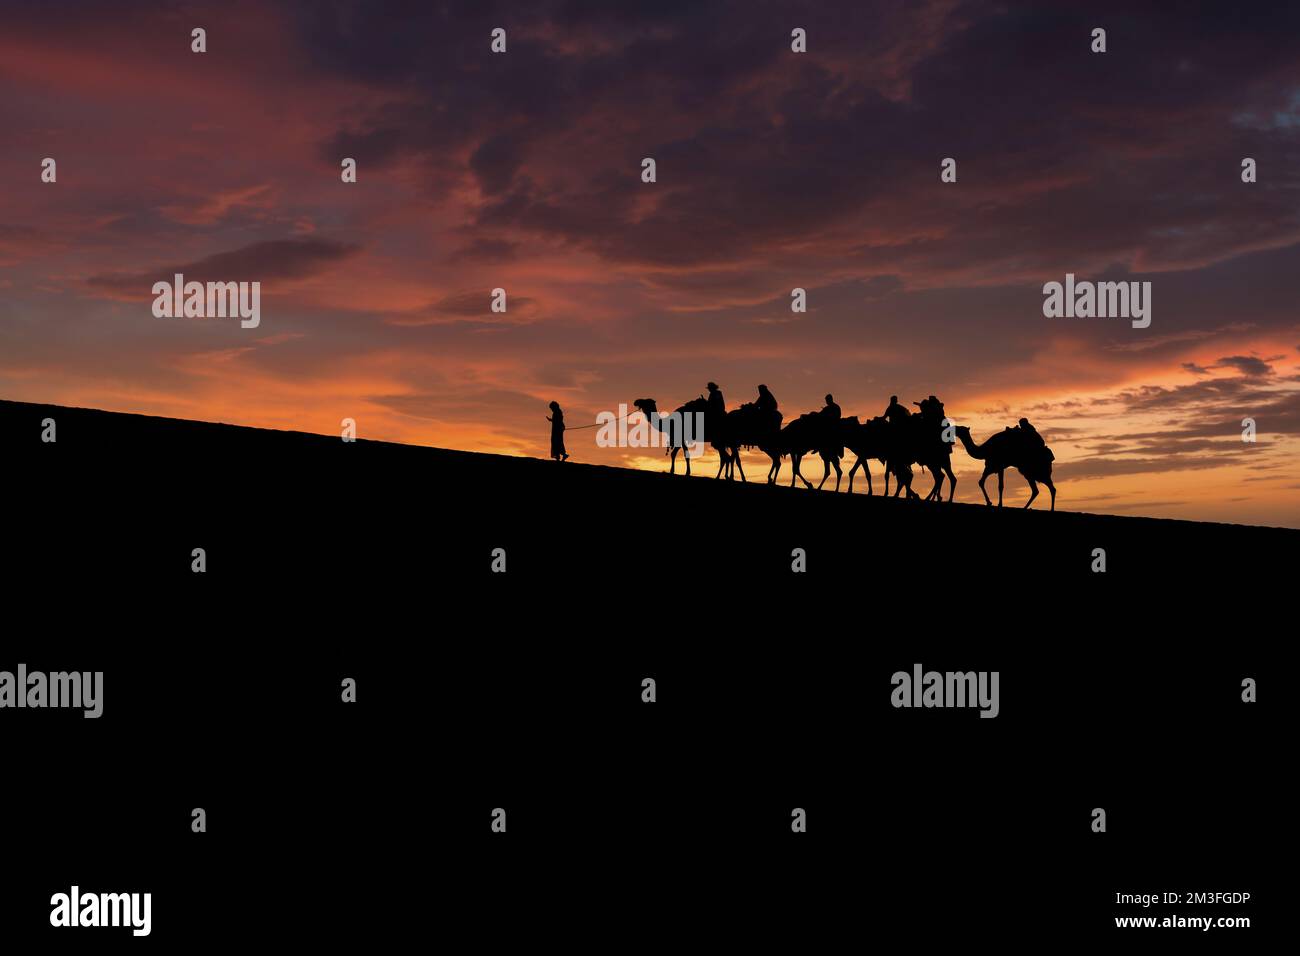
x=898, y=439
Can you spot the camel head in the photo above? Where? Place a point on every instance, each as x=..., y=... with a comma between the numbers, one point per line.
x=646, y=406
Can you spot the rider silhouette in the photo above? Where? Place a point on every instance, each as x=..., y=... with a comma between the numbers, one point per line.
x=931, y=409
x=895, y=412
x=1032, y=439
x=717, y=404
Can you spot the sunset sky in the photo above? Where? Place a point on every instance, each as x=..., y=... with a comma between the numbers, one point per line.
x=775, y=170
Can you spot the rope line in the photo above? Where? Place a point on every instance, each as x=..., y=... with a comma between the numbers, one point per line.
x=577, y=428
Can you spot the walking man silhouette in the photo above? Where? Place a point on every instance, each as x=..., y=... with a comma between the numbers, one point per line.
x=557, y=433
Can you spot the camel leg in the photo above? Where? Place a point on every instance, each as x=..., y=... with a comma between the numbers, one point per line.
x=826, y=473
x=1033, y=492
x=798, y=470
x=983, y=478
x=686, y=458
x=672, y=461
x=1052, y=488
x=952, y=482
x=838, y=473
x=866, y=470
x=736, y=455
x=794, y=468
x=907, y=487
x=938, y=483
x=1000, y=489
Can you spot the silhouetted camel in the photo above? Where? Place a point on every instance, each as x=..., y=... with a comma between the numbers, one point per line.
x=751, y=427
x=873, y=439
x=810, y=432
x=671, y=425
x=828, y=437
x=1007, y=449
x=919, y=439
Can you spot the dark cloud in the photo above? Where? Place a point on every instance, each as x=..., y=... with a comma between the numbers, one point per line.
x=496, y=160
x=1246, y=365
x=486, y=250
x=261, y=261
x=1198, y=441
x=757, y=147
x=1112, y=467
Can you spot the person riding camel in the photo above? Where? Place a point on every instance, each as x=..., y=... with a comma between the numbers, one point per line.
x=1034, y=441
x=715, y=412
x=931, y=409
x=1031, y=436
x=766, y=401
x=717, y=404
x=895, y=412
x=831, y=415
